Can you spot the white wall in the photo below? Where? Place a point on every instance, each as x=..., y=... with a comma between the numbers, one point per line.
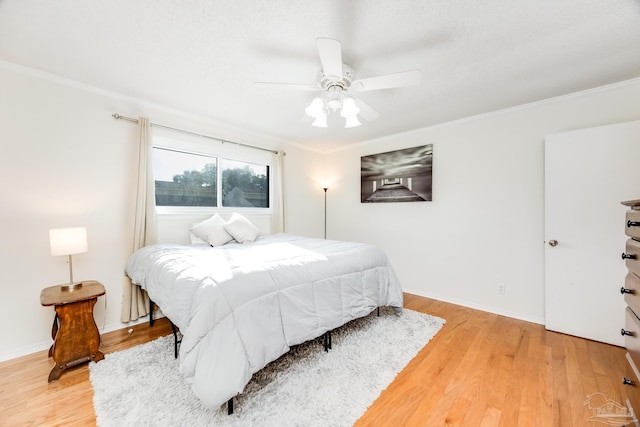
x=305, y=177
x=485, y=224
x=64, y=161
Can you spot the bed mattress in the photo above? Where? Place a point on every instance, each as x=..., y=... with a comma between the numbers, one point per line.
x=241, y=306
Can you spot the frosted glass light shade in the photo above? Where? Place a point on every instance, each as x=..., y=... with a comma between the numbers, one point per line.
x=334, y=104
x=68, y=241
x=320, y=122
x=349, y=108
x=315, y=109
x=352, y=122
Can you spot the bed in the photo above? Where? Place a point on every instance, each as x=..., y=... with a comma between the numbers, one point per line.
x=241, y=306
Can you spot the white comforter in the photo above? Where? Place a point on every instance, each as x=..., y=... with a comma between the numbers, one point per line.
x=240, y=307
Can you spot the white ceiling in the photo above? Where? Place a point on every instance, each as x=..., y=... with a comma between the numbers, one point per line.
x=202, y=56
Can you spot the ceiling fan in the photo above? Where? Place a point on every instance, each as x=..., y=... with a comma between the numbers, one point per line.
x=337, y=84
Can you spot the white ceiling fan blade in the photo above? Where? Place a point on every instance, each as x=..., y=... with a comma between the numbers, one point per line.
x=294, y=86
x=366, y=111
x=330, y=52
x=387, y=81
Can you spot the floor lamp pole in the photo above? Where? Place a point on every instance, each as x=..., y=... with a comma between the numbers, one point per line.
x=325, y=212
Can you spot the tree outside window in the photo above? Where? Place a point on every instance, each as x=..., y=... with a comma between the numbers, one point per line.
x=244, y=184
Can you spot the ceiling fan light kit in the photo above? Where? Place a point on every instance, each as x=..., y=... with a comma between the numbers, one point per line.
x=337, y=84
x=349, y=108
x=352, y=122
x=320, y=122
x=319, y=110
x=315, y=109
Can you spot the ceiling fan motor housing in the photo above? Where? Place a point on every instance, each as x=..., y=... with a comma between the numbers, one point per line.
x=343, y=82
x=335, y=87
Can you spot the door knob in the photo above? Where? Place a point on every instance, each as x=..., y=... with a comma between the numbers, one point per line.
x=553, y=242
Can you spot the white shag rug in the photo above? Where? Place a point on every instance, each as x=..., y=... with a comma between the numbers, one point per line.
x=142, y=386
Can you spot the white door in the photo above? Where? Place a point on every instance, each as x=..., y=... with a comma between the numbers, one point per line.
x=587, y=174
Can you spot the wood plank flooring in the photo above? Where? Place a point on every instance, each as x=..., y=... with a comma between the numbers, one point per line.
x=481, y=369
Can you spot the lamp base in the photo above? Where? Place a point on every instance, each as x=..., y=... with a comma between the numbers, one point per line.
x=71, y=287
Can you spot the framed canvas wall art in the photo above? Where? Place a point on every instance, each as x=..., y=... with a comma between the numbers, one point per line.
x=397, y=176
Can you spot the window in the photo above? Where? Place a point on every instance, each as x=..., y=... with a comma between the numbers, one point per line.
x=186, y=178
x=244, y=184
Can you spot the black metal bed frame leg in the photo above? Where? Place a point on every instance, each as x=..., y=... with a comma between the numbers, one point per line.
x=230, y=406
x=378, y=311
x=327, y=341
x=176, y=341
x=151, y=304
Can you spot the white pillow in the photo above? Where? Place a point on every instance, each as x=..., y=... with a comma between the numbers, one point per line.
x=212, y=230
x=242, y=230
x=195, y=240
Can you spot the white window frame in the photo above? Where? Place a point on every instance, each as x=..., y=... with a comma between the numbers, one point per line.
x=211, y=148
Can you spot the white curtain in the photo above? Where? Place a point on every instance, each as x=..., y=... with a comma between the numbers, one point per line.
x=135, y=301
x=277, y=210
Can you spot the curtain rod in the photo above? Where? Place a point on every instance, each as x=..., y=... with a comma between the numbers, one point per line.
x=129, y=119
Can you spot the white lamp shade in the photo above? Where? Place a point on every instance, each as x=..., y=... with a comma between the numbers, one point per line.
x=320, y=122
x=315, y=109
x=349, y=108
x=68, y=241
x=334, y=104
x=352, y=122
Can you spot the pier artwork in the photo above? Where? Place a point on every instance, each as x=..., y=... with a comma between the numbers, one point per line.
x=397, y=176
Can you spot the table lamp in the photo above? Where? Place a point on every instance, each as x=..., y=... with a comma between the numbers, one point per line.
x=68, y=241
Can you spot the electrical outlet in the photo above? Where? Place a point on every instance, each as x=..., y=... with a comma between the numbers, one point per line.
x=501, y=288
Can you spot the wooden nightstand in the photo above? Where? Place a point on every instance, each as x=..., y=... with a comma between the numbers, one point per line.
x=75, y=334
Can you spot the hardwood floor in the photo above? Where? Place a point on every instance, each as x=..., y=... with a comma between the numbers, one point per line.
x=481, y=369
x=27, y=399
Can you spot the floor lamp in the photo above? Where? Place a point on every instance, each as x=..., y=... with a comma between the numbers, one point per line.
x=325, y=212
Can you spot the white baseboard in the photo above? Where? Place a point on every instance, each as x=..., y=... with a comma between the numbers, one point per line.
x=23, y=351
x=488, y=309
x=44, y=345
